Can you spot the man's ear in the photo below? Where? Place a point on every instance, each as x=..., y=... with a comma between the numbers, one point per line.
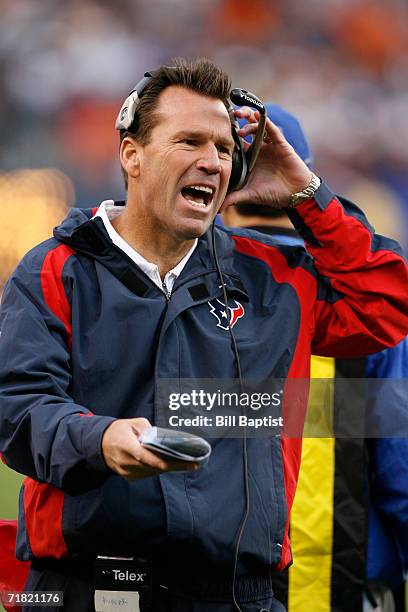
x=129, y=154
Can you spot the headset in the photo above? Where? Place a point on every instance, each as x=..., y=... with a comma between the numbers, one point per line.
x=242, y=161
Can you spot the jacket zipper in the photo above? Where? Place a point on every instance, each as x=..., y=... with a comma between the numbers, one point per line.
x=167, y=293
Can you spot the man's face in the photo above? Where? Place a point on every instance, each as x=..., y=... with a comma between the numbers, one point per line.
x=186, y=166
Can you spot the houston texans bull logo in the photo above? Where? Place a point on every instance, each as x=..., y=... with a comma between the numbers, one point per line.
x=219, y=310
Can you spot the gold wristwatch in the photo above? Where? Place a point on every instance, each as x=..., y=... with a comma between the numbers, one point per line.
x=302, y=196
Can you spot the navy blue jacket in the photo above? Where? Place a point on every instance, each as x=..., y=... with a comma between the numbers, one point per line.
x=85, y=336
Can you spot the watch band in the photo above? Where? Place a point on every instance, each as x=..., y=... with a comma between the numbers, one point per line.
x=302, y=196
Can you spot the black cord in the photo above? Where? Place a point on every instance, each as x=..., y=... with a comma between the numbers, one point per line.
x=245, y=446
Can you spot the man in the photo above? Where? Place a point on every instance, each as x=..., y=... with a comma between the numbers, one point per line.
x=332, y=516
x=121, y=298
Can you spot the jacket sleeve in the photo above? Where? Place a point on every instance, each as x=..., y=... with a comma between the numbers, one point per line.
x=43, y=432
x=362, y=294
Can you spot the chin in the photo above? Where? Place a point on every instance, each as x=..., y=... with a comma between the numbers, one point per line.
x=192, y=230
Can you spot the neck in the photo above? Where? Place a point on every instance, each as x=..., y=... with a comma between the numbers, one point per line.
x=154, y=246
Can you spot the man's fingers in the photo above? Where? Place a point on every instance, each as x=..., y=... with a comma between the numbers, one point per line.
x=146, y=471
x=247, y=113
x=273, y=133
x=153, y=462
x=125, y=455
x=248, y=128
x=173, y=466
x=148, y=459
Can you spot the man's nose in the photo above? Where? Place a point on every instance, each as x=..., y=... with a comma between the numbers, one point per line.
x=209, y=160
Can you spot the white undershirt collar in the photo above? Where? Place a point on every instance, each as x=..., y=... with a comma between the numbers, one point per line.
x=108, y=211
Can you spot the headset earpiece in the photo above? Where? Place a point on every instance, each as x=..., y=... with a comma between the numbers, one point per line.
x=239, y=168
x=127, y=112
x=243, y=161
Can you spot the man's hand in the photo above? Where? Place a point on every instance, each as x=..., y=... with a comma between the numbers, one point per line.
x=279, y=171
x=124, y=454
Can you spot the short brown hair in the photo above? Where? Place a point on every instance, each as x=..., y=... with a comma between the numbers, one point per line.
x=200, y=76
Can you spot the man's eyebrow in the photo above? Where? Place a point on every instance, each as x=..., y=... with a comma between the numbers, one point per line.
x=199, y=135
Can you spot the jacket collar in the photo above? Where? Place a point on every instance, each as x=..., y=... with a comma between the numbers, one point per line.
x=89, y=236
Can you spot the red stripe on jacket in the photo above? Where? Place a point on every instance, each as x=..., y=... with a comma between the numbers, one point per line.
x=43, y=505
x=53, y=287
x=305, y=286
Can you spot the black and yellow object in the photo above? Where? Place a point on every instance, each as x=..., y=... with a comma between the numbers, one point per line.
x=329, y=516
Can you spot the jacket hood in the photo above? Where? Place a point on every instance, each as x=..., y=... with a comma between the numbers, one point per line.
x=75, y=218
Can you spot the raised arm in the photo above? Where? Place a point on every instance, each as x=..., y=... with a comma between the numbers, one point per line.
x=362, y=295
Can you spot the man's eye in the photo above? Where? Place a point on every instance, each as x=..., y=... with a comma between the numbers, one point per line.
x=189, y=141
x=225, y=151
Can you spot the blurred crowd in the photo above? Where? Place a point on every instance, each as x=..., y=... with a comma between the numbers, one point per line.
x=340, y=65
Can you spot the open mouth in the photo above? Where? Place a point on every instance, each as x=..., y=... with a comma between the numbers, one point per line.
x=199, y=195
